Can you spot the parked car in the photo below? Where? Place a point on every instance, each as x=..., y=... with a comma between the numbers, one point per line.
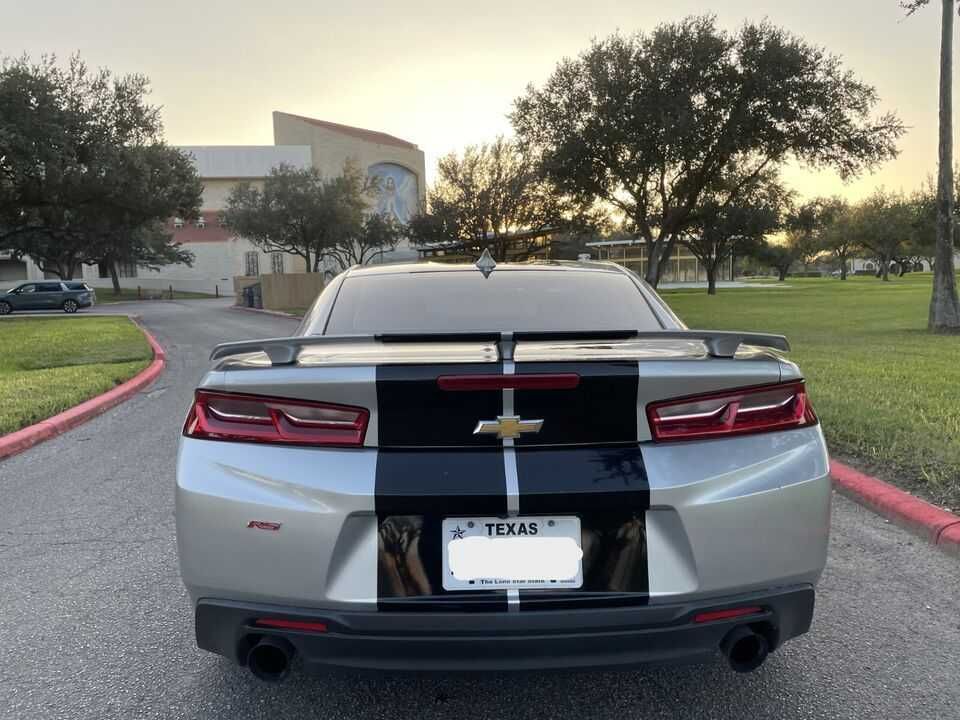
x=82, y=286
x=47, y=295
x=523, y=466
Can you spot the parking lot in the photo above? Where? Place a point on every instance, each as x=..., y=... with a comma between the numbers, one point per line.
x=96, y=622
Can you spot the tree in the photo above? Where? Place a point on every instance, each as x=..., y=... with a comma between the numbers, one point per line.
x=375, y=235
x=883, y=223
x=719, y=226
x=647, y=123
x=806, y=226
x=301, y=212
x=493, y=197
x=780, y=257
x=944, y=313
x=837, y=236
x=154, y=184
x=84, y=173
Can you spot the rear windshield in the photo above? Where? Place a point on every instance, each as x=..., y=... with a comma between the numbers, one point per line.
x=515, y=300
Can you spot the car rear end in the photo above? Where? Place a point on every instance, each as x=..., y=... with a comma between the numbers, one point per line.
x=84, y=295
x=499, y=496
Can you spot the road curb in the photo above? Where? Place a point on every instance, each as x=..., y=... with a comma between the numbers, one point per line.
x=261, y=311
x=17, y=442
x=935, y=525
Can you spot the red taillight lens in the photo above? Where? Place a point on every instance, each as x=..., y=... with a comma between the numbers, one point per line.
x=251, y=418
x=714, y=615
x=282, y=624
x=736, y=412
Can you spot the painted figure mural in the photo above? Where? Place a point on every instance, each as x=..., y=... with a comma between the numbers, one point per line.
x=397, y=192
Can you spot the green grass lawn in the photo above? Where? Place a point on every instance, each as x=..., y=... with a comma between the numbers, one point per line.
x=887, y=392
x=105, y=295
x=48, y=365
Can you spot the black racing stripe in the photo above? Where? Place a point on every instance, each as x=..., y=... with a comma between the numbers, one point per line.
x=415, y=490
x=412, y=411
x=447, y=483
x=583, y=479
x=601, y=409
x=607, y=489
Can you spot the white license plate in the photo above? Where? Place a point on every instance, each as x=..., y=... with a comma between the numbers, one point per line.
x=490, y=553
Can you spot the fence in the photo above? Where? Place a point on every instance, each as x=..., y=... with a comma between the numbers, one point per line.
x=282, y=291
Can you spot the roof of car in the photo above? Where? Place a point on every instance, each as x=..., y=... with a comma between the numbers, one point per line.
x=431, y=267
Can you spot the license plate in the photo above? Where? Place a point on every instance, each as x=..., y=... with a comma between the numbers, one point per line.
x=491, y=553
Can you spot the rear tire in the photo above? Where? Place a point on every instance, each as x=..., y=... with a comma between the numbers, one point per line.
x=5, y=308
x=69, y=306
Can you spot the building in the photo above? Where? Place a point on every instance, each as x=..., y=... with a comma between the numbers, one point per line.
x=219, y=253
x=632, y=253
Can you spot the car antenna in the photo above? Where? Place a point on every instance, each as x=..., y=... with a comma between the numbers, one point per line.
x=486, y=263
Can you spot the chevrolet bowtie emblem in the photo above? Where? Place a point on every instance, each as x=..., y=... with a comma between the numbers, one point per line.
x=507, y=426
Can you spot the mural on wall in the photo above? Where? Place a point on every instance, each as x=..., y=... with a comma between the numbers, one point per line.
x=397, y=194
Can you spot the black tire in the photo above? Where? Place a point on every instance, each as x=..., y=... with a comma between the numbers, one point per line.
x=5, y=308
x=70, y=306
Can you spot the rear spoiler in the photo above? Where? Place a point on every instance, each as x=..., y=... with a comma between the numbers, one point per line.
x=479, y=347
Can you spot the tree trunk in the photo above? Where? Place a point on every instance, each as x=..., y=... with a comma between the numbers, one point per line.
x=114, y=278
x=885, y=271
x=711, y=269
x=843, y=268
x=944, y=315
x=783, y=273
x=653, y=266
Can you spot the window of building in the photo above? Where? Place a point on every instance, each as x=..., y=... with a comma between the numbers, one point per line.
x=178, y=222
x=276, y=263
x=251, y=263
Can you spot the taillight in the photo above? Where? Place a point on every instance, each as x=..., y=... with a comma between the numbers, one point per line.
x=251, y=418
x=732, y=412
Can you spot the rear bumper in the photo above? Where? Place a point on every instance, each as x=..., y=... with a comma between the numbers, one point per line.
x=526, y=640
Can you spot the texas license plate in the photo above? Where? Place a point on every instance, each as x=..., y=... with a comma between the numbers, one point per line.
x=491, y=553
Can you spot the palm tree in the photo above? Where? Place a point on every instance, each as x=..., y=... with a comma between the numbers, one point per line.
x=944, y=304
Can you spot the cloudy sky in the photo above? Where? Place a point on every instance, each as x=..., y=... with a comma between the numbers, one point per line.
x=440, y=73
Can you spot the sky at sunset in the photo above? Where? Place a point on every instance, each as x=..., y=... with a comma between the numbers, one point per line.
x=441, y=74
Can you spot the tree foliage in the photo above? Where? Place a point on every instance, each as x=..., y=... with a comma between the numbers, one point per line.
x=723, y=222
x=883, y=224
x=301, y=212
x=649, y=122
x=492, y=196
x=85, y=176
x=836, y=235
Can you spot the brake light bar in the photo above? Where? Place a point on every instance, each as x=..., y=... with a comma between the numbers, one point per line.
x=732, y=412
x=253, y=418
x=540, y=381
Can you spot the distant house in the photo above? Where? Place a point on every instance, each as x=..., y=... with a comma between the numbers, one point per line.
x=221, y=254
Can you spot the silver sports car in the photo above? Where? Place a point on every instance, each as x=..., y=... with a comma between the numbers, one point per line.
x=515, y=467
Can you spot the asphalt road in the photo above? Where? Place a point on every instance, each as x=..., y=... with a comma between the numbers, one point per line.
x=94, y=622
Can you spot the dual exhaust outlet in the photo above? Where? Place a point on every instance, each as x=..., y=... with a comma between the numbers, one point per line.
x=269, y=659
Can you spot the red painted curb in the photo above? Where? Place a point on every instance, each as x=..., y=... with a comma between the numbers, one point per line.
x=937, y=526
x=17, y=442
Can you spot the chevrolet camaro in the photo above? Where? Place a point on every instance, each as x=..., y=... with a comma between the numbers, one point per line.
x=500, y=467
